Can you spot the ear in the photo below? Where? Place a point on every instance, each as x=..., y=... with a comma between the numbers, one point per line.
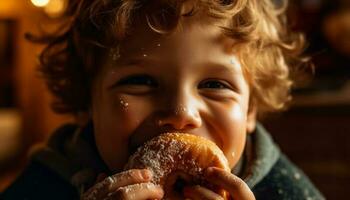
x=251, y=117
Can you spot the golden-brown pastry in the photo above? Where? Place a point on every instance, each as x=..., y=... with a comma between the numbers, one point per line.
x=178, y=159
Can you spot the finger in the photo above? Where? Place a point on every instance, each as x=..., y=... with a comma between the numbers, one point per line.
x=112, y=183
x=139, y=191
x=233, y=184
x=129, y=177
x=98, y=191
x=200, y=193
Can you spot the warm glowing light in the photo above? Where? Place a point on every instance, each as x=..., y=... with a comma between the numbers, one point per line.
x=40, y=3
x=55, y=7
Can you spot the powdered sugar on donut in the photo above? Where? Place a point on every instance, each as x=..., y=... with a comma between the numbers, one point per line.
x=172, y=152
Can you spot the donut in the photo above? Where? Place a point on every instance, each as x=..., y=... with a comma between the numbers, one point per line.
x=177, y=160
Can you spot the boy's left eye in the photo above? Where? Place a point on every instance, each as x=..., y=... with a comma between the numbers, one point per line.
x=213, y=84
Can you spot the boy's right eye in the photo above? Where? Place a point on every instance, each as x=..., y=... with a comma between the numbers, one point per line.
x=140, y=84
x=138, y=80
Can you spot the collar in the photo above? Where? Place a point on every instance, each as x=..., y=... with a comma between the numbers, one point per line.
x=261, y=154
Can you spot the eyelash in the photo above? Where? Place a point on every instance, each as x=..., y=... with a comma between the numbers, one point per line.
x=149, y=81
x=138, y=80
x=218, y=84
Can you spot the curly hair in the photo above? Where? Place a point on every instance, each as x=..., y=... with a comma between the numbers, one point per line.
x=91, y=28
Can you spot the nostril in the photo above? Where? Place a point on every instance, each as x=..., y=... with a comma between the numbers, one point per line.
x=178, y=123
x=174, y=124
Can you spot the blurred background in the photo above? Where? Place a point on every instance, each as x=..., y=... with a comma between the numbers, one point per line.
x=314, y=132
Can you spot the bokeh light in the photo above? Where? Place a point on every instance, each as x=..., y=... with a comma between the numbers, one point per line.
x=40, y=3
x=55, y=7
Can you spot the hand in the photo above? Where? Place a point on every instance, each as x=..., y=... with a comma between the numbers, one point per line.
x=133, y=184
x=237, y=188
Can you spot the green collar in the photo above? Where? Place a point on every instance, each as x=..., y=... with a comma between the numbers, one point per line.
x=261, y=157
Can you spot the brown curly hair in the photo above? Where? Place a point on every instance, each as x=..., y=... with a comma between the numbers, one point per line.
x=91, y=28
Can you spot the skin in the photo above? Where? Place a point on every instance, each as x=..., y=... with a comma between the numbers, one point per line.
x=189, y=81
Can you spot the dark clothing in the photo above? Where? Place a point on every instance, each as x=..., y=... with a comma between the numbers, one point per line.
x=285, y=182
x=71, y=162
x=39, y=182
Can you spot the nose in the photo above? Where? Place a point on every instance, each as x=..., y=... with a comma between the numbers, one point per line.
x=181, y=112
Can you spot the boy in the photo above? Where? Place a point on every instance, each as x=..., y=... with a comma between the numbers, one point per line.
x=135, y=69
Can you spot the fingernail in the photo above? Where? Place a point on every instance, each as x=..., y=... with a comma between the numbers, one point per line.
x=146, y=174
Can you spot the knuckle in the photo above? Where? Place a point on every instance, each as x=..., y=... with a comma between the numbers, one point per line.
x=94, y=192
x=135, y=174
x=113, y=178
x=237, y=182
x=109, y=180
x=126, y=175
x=121, y=194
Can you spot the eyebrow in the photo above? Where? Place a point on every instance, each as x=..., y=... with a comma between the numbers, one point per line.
x=219, y=67
x=135, y=61
x=214, y=67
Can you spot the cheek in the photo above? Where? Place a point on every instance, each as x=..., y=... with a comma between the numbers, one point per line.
x=132, y=112
x=115, y=120
x=128, y=112
x=233, y=133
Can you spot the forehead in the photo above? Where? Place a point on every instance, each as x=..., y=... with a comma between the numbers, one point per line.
x=191, y=33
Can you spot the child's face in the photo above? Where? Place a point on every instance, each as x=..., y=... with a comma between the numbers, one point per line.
x=189, y=81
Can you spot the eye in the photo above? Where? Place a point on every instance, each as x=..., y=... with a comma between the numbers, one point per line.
x=138, y=80
x=213, y=84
